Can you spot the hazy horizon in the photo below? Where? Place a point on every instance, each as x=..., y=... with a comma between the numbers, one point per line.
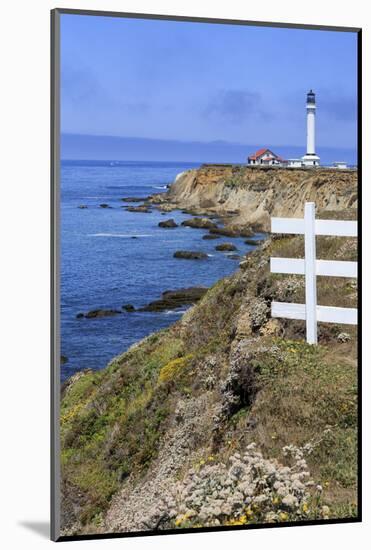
x=125, y=148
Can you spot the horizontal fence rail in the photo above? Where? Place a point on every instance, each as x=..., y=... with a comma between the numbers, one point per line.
x=329, y=268
x=326, y=314
x=331, y=228
x=310, y=267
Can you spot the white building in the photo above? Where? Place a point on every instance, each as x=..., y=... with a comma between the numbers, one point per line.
x=340, y=164
x=294, y=163
x=310, y=158
x=266, y=157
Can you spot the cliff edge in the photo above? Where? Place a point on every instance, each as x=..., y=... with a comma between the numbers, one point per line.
x=251, y=195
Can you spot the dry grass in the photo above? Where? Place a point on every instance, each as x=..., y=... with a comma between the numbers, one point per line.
x=307, y=394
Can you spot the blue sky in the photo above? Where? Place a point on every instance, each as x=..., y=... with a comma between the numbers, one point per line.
x=188, y=81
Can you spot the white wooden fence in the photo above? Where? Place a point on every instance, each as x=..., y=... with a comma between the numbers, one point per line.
x=311, y=267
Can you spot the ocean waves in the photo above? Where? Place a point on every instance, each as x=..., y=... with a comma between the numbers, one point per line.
x=120, y=235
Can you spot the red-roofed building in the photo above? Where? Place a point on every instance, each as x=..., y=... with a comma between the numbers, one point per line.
x=266, y=157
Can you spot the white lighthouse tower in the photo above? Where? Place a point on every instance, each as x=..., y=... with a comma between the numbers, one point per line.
x=310, y=158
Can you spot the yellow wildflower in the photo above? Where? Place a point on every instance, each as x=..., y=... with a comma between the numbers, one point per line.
x=242, y=519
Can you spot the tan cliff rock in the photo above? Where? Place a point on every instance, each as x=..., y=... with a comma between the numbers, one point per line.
x=252, y=194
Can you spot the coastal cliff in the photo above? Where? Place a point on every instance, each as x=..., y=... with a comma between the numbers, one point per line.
x=227, y=417
x=251, y=195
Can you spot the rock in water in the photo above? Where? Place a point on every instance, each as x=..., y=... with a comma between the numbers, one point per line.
x=253, y=242
x=190, y=255
x=226, y=247
x=141, y=208
x=168, y=224
x=232, y=231
x=104, y=205
x=171, y=299
x=128, y=307
x=200, y=223
x=165, y=208
x=210, y=237
x=96, y=313
x=134, y=199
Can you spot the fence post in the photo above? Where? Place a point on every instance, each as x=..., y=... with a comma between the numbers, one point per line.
x=310, y=272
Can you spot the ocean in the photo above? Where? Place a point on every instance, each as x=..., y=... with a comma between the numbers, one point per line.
x=111, y=257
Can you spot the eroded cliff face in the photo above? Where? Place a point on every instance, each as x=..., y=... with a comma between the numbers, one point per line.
x=252, y=195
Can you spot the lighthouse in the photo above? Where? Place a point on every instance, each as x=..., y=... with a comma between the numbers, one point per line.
x=310, y=158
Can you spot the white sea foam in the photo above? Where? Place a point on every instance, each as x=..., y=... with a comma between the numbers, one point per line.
x=174, y=312
x=178, y=175
x=159, y=186
x=120, y=235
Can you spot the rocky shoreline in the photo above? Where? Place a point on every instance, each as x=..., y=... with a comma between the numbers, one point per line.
x=170, y=299
x=223, y=388
x=235, y=201
x=242, y=199
x=216, y=226
x=227, y=417
x=246, y=197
